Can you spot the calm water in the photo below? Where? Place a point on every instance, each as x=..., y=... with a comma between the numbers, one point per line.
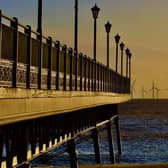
x=143, y=139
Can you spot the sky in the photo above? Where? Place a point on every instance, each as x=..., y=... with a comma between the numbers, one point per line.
x=142, y=25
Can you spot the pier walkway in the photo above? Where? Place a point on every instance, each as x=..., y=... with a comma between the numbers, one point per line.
x=50, y=94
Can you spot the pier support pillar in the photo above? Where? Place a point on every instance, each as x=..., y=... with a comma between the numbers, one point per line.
x=72, y=153
x=96, y=145
x=118, y=135
x=21, y=143
x=111, y=144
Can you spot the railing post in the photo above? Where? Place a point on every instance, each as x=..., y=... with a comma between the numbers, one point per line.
x=71, y=63
x=114, y=81
x=57, y=46
x=85, y=67
x=129, y=85
x=95, y=78
x=101, y=77
x=40, y=58
x=126, y=66
x=118, y=133
x=89, y=72
x=107, y=74
x=64, y=48
x=111, y=81
x=92, y=74
x=0, y=33
x=110, y=140
x=118, y=84
x=81, y=73
x=96, y=145
x=72, y=153
x=98, y=76
x=29, y=47
x=107, y=79
x=76, y=70
x=49, y=42
x=14, y=24
x=105, y=69
x=108, y=70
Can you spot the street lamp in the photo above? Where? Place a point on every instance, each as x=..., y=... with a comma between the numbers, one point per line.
x=108, y=28
x=95, y=12
x=127, y=51
x=39, y=24
x=117, y=39
x=76, y=27
x=122, y=48
x=39, y=37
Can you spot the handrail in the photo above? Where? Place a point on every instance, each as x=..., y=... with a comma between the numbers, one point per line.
x=23, y=26
x=98, y=77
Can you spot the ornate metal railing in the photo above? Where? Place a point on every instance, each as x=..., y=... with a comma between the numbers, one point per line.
x=29, y=60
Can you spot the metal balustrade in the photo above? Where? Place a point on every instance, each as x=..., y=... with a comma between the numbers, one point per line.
x=28, y=60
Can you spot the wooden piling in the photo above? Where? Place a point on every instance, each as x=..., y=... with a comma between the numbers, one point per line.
x=72, y=153
x=118, y=135
x=96, y=145
x=111, y=144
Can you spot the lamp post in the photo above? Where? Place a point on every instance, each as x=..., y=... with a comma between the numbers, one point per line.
x=122, y=48
x=76, y=27
x=127, y=51
x=117, y=39
x=39, y=37
x=95, y=12
x=108, y=28
x=39, y=24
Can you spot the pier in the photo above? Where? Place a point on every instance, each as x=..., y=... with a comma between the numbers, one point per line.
x=50, y=94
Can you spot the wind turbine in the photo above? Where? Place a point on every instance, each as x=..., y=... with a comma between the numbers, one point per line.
x=133, y=88
x=153, y=90
x=143, y=92
x=157, y=91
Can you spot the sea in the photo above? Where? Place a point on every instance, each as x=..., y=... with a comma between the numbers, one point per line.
x=144, y=140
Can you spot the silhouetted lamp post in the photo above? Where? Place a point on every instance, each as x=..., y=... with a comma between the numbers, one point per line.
x=127, y=51
x=39, y=36
x=76, y=27
x=117, y=39
x=39, y=24
x=95, y=12
x=108, y=28
x=122, y=48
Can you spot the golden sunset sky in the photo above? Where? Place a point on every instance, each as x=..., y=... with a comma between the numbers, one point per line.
x=142, y=24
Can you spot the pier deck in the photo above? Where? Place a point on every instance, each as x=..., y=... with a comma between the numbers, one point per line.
x=23, y=104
